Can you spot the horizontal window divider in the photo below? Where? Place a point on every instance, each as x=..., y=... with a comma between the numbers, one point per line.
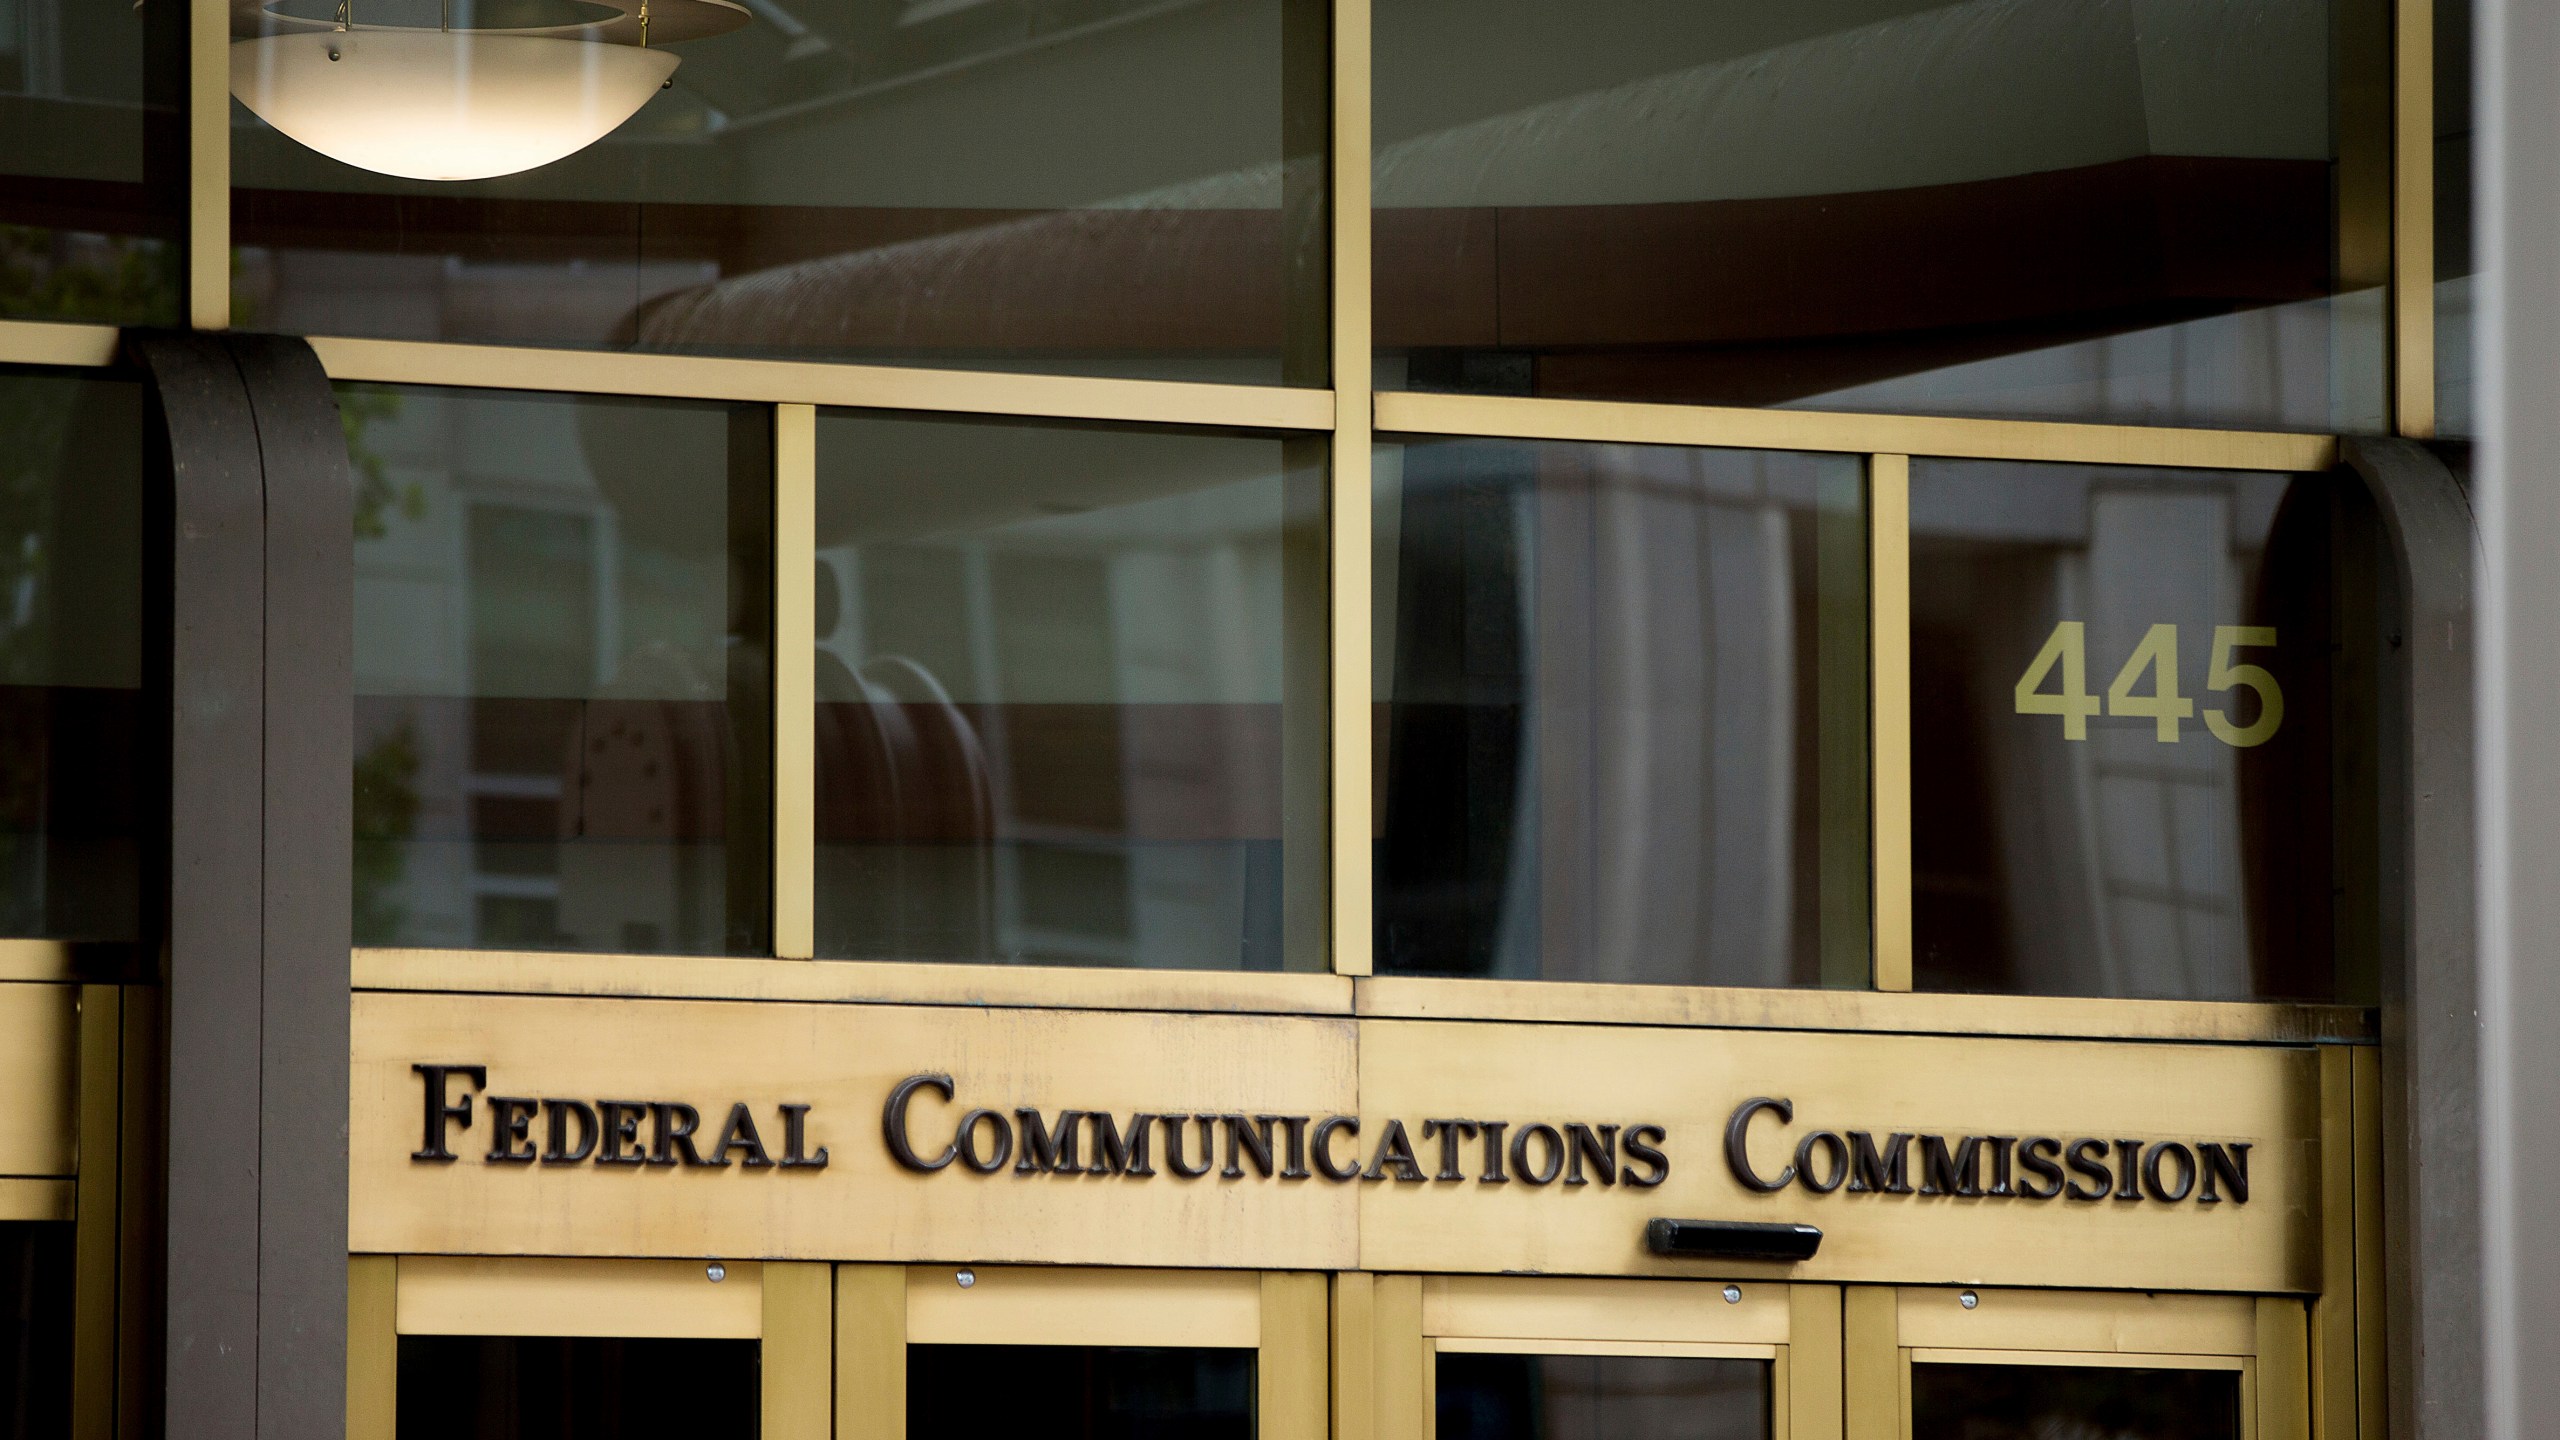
x=36, y=960
x=692, y=977
x=884, y=982
x=1606, y=422
x=46, y=342
x=1566, y=1002
x=810, y=382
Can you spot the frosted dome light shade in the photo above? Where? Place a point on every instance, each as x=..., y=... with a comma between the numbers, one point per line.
x=444, y=104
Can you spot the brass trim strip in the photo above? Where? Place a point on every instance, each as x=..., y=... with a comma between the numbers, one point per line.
x=871, y=1352
x=34, y=1198
x=2371, y=1343
x=373, y=1347
x=1355, y=1355
x=2094, y=1359
x=2413, y=219
x=1918, y=1013
x=38, y=960
x=2283, y=1370
x=801, y=382
x=1350, y=519
x=795, y=690
x=1813, y=1362
x=695, y=977
x=1409, y=412
x=93, y=1312
x=2332, y=1358
x=1291, y=1373
x=1871, y=1370
x=208, y=165
x=39, y=342
x=799, y=1352
x=1889, y=696
x=1403, y=1373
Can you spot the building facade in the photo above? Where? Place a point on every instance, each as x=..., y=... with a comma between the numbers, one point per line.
x=1356, y=718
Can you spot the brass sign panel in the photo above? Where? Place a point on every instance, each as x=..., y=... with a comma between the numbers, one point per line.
x=1923, y=1088
x=566, y=1126
x=637, y=1066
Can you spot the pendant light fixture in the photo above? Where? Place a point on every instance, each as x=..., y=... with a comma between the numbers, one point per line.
x=514, y=85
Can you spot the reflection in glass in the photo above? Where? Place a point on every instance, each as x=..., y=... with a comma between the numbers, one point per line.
x=1599, y=1397
x=2137, y=725
x=1624, y=713
x=2041, y=1402
x=1087, y=1392
x=1069, y=684
x=70, y=655
x=36, y=1287
x=92, y=189
x=2139, y=211
x=1112, y=186
x=504, y=1387
x=562, y=693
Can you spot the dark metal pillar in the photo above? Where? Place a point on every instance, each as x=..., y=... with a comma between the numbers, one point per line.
x=2430, y=1010
x=250, y=549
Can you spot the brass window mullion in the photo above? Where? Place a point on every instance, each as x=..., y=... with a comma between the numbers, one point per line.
x=795, y=645
x=1349, y=518
x=2413, y=219
x=1889, y=692
x=208, y=165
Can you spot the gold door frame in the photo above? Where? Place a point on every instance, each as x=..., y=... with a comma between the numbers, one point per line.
x=2266, y=1339
x=1416, y=1319
x=781, y=1306
x=881, y=1309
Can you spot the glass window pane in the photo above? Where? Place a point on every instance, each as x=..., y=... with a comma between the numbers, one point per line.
x=2141, y=730
x=91, y=209
x=1599, y=1397
x=1069, y=687
x=37, y=1281
x=562, y=695
x=70, y=655
x=1623, y=733
x=1114, y=186
x=505, y=1387
x=2036, y=1402
x=1091, y=1392
x=2136, y=211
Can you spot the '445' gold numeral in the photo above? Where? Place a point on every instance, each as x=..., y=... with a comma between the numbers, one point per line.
x=2067, y=650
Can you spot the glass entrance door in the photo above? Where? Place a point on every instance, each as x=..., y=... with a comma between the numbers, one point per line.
x=1559, y=1359
x=933, y=1351
x=1957, y=1363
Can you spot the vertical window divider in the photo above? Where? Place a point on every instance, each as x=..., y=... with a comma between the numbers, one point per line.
x=2413, y=219
x=795, y=644
x=1889, y=592
x=208, y=125
x=1348, y=514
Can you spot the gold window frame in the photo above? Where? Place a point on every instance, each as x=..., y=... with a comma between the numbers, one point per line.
x=2265, y=1339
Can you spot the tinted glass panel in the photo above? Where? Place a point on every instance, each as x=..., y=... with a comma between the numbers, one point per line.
x=2140, y=732
x=1069, y=694
x=1110, y=186
x=36, y=1284
x=2038, y=1402
x=1600, y=1397
x=1084, y=1392
x=92, y=189
x=1624, y=725
x=490, y=1387
x=2140, y=211
x=70, y=655
x=562, y=712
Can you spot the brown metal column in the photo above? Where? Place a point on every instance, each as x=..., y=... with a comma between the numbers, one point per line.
x=250, y=646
